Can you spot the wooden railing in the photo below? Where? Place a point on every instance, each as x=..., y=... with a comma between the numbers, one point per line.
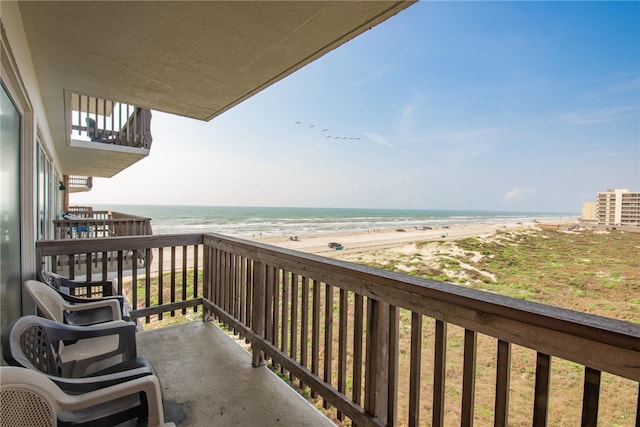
x=383, y=348
x=82, y=224
x=158, y=274
x=110, y=122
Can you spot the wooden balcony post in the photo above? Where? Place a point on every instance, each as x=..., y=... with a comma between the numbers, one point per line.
x=392, y=364
x=439, y=373
x=469, y=376
x=65, y=193
x=258, y=309
x=503, y=374
x=207, y=266
x=377, y=363
x=591, y=397
x=541, y=393
x=415, y=369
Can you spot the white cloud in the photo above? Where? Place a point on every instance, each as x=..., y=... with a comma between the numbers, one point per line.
x=517, y=194
x=597, y=116
x=631, y=84
x=379, y=139
x=407, y=123
x=373, y=76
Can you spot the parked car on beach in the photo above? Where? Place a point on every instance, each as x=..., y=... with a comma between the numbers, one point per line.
x=335, y=245
x=422, y=227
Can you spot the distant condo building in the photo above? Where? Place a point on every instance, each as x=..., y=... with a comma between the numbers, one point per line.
x=617, y=207
x=589, y=212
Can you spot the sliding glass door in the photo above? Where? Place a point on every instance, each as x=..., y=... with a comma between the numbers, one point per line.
x=10, y=239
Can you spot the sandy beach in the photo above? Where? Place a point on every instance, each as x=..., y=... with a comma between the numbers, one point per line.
x=362, y=241
x=353, y=242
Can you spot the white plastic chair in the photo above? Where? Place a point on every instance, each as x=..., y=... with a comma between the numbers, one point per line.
x=65, y=286
x=52, y=306
x=30, y=398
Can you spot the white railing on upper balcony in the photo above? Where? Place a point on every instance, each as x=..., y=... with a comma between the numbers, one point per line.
x=79, y=183
x=110, y=122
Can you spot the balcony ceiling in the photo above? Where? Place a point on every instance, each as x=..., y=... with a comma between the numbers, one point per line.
x=194, y=59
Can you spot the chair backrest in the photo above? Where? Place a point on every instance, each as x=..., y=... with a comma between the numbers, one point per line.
x=25, y=343
x=92, y=130
x=37, y=348
x=68, y=286
x=27, y=398
x=49, y=302
x=52, y=279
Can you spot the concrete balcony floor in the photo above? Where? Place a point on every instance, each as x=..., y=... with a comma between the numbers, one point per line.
x=208, y=380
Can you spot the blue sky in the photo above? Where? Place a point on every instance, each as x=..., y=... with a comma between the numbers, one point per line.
x=517, y=106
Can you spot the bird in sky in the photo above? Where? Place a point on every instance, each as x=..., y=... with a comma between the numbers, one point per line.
x=344, y=138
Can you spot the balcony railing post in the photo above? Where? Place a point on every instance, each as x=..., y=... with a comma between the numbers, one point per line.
x=258, y=309
x=377, y=363
x=207, y=282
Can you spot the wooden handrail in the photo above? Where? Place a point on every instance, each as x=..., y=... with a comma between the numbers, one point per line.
x=451, y=303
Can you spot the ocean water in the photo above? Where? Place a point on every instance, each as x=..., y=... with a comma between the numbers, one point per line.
x=274, y=221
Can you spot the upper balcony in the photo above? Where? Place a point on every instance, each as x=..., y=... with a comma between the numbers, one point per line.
x=366, y=345
x=79, y=184
x=83, y=222
x=105, y=137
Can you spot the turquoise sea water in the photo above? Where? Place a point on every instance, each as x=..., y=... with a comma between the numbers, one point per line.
x=269, y=221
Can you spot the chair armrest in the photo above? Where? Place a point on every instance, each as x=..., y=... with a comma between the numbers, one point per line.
x=92, y=383
x=59, y=331
x=148, y=385
x=113, y=304
x=82, y=300
x=126, y=332
x=83, y=345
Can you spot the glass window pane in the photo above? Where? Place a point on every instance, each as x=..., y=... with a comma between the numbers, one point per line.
x=10, y=240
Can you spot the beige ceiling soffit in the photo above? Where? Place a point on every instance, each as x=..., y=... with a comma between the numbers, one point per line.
x=387, y=13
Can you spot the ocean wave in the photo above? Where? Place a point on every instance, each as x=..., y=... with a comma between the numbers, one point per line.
x=242, y=221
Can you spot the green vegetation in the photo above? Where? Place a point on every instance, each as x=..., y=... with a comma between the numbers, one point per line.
x=592, y=272
x=154, y=287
